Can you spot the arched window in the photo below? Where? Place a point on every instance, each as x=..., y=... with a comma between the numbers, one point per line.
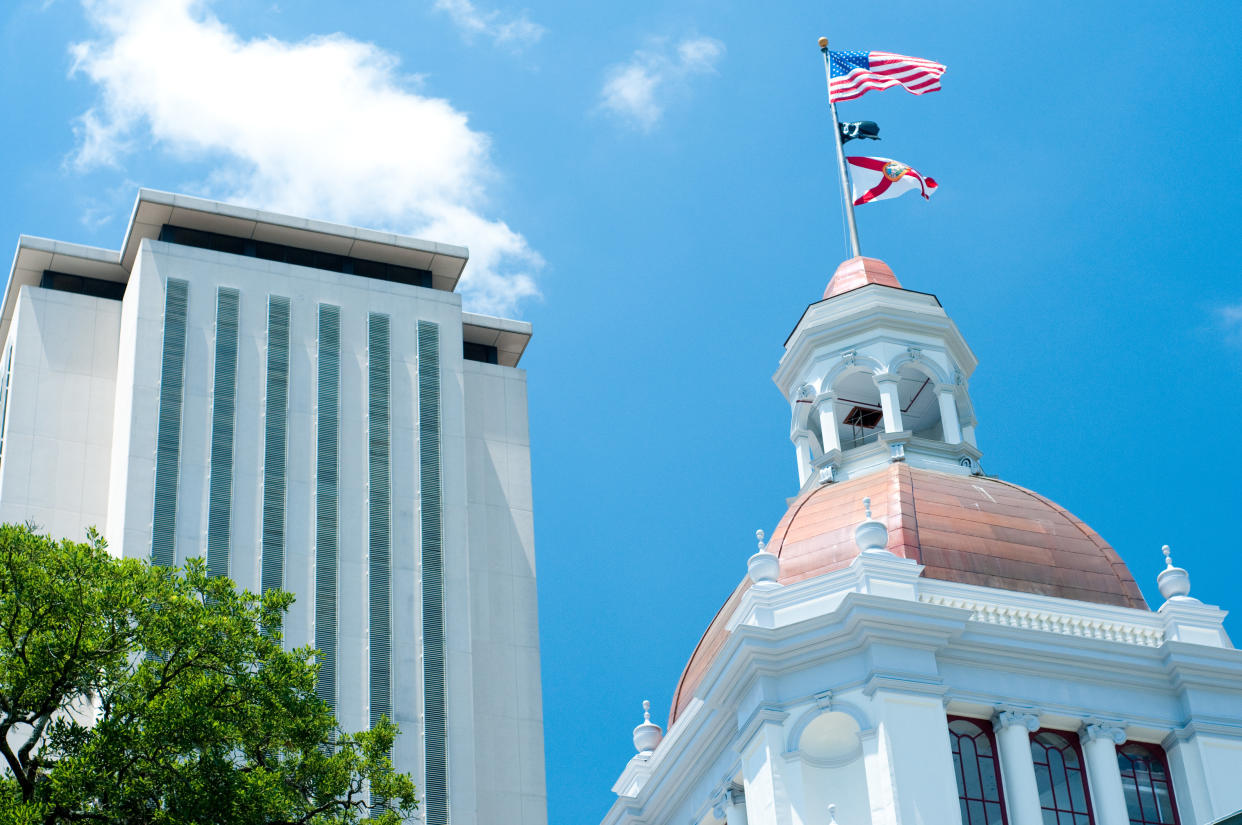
x=978, y=774
x=1059, y=774
x=1145, y=780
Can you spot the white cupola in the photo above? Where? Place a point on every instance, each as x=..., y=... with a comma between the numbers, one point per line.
x=876, y=373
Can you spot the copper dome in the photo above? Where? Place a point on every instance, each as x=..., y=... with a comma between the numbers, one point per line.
x=965, y=529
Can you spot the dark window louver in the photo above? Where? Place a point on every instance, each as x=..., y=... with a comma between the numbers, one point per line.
x=168, y=427
x=223, y=418
x=275, y=443
x=380, y=524
x=436, y=808
x=327, y=415
x=250, y=248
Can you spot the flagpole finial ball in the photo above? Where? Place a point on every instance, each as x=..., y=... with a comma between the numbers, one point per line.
x=823, y=42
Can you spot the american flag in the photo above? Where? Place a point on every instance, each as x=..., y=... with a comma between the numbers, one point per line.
x=856, y=73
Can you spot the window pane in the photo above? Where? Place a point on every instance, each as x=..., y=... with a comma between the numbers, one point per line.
x=976, y=772
x=971, y=758
x=991, y=789
x=1078, y=791
x=1144, y=778
x=1043, y=781
x=1132, y=800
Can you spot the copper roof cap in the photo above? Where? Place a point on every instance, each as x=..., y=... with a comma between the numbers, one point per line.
x=965, y=529
x=858, y=272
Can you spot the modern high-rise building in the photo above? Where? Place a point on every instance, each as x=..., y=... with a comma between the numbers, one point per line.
x=921, y=643
x=307, y=406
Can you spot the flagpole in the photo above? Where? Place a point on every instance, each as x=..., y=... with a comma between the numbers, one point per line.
x=836, y=136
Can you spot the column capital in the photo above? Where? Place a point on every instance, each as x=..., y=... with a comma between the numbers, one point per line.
x=1095, y=729
x=887, y=378
x=1024, y=717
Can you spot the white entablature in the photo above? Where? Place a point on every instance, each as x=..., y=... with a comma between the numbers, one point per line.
x=875, y=373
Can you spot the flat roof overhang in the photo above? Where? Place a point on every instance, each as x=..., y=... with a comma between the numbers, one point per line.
x=153, y=209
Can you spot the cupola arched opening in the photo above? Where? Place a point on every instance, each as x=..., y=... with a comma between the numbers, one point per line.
x=919, y=400
x=857, y=412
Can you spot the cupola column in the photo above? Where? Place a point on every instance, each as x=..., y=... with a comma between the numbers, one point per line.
x=731, y=807
x=948, y=416
x=890, y=403
x=829, y=436
x=1099, y=746
x=1013, y=740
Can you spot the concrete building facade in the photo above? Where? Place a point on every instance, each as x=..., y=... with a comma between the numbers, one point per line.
x=307, y=406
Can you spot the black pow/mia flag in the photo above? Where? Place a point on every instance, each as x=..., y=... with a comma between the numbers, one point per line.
x=862, y=129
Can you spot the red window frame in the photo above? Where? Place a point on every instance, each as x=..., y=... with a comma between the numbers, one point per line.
x=1130, y=775
x=1063, y=815
x=985, y=728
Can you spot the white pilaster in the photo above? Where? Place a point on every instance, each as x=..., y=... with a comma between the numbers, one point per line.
x=1190, y=788
x=890, y=403
x=1099, y=746
x=1013, y=740
x=802, y=442
x=949, y=421
x=772, y=790
x=910, y=774
x=829, y=437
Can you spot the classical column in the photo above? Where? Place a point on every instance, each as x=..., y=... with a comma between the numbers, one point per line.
x=829, y=437
x=1099, y=746
x=802, y=442
x=889, y=402
x=731, y=807
x=948, y=416
x=1013, y=739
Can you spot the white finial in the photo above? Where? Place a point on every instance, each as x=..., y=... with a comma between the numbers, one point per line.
x=832, y=815
x=871, y=536
x=647, y=735
x=1173, y=582
x=764, y=568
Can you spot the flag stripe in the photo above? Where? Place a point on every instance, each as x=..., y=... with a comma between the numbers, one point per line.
x=870, y=183
x=853, y=74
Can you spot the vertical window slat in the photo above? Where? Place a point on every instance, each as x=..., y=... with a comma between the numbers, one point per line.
x=168, y=425
x=223, y=420
x=380, y=524
x=327, y=445
x=275, y=443
x=436, y=803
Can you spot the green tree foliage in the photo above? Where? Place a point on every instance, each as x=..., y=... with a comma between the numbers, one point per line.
x=138, y=694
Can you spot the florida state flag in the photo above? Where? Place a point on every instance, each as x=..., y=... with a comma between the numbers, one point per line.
x=875, y=179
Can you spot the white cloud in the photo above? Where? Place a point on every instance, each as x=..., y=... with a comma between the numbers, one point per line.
x=326, y=127
x=638, y=90
x=516, y=32
x=1230, y=318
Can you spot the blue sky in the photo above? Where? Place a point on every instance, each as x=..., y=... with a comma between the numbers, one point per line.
x=652, y=185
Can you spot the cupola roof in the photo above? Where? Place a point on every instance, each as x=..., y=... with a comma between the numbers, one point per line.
x=858, y=272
